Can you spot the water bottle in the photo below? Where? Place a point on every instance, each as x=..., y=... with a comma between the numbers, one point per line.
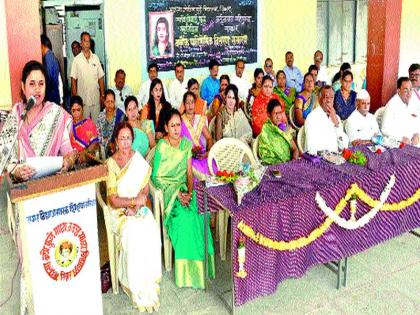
x=378, y=139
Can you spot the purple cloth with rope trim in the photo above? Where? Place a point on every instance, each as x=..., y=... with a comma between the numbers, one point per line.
x=285, y=209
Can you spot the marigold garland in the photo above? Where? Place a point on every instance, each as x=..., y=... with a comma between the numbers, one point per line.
x=318, y=232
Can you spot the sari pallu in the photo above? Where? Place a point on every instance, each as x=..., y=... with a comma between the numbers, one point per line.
x=274, y=144
x=183, y=223
x=236, y=125
x=194, y=133
x=259, y=111
x=288, y=96
x=140, y=142
x=83, y=135
x=47, y=135
x=139, y=261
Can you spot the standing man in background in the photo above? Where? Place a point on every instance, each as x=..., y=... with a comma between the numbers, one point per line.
x=414, y=104
x=294, y=78
x=240, y=81
x=121, y=89
x=178, y=86
x=322, y=70
x=269, y=70
x=144, y=92
x=52, y=93
x=76, y=48
x=211, y=85
x=87, y=79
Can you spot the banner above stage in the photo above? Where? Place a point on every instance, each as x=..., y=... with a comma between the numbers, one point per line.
x=194, y=31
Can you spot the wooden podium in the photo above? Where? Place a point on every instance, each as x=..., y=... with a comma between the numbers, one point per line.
x=59, y=237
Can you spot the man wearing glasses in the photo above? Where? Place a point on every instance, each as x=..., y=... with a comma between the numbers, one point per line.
x=294, y=78
x=121, y=89
x=269, y=70
x=397, y=122
x=322, y=70
x=414, y=105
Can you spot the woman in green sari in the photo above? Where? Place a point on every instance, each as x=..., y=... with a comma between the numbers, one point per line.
x=172, y=173
x=287, y=94
x=142, y=141
x=275, y=142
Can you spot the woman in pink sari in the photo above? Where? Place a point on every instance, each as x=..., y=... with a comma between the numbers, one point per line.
x=39, y=130
x=34, y=128
x=194, y=128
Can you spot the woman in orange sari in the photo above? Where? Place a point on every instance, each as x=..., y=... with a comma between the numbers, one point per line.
x=219, y=99
x=200, y=104
x=259, y=107
x=84, y=135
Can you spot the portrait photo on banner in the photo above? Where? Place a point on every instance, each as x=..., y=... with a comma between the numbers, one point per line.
x=161, y=34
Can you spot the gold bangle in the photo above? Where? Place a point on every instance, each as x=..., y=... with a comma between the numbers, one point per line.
x=132, y=203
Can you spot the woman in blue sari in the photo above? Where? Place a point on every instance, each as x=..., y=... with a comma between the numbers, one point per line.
x=306, y=101
x=345, y=97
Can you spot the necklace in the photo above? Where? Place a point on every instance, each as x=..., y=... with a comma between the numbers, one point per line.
x=176, y=144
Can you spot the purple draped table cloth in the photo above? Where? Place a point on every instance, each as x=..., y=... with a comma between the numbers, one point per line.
x=284, y=209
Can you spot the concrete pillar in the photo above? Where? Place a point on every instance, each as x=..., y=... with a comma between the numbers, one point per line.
x=384, y=25
x=23, y=39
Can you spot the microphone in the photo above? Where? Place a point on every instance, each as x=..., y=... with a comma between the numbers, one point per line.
x=31, y=102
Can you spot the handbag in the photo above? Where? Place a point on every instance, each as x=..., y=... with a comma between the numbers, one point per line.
x=105, y=277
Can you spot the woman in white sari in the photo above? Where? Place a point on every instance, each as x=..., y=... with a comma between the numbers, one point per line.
x=139, y=262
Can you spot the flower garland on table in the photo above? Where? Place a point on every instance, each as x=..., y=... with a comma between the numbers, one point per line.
x=241, y=258
x=355, y=224
x=356, y=157
x=303, y=241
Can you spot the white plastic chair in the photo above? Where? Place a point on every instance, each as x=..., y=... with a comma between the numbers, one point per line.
x=379, y=115
x=158, y=204
x=113, y=238
x=292, y=117
x=255, y=147
x=301, y=139
x=228, y=154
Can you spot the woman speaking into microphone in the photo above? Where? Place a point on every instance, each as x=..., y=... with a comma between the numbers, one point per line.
x=35, y=128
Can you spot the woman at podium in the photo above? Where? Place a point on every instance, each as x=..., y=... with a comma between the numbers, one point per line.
x=35, y=128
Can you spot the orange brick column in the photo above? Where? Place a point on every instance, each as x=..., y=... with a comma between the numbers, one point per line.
x=23, y=39
x=383, y=50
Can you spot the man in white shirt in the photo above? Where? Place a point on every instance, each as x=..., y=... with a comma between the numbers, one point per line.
x=121, y=89
x=269, y=70
x=397, y=122
x=143, y=95
x=361, y=125
x=323, y=128
x=414, y=104
x=178, y=86
x=322, y=70
x=294, y=77
x=87, y=79
x=240, y=81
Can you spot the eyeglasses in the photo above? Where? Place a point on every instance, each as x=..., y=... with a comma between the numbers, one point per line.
x=269, y=66
x=406, y=91
x=122, y=99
